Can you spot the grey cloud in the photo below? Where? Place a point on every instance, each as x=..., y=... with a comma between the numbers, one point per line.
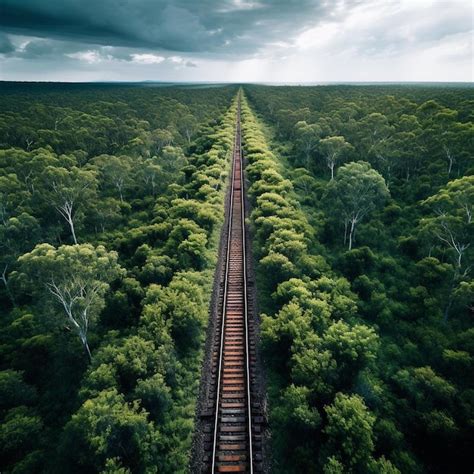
x=6, y=46
x=41, y=49
x=225, y=26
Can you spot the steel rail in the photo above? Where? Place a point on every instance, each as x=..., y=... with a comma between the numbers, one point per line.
x=244, y=242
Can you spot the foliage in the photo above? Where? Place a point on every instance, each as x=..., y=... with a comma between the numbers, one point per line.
x=368, y=345
x=137, y=177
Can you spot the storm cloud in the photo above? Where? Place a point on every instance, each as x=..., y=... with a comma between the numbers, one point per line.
x=183, y=26
x=236, y=40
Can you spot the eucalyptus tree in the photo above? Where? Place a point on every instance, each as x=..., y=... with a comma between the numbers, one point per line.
x=69, y=191
x=356, y=191
x=114, y=171
x=76, y=277
x=151, y=172
x=160, y=138
x=374, y=130
x=18, y=234
x=451, y=137
x=307, y=137
x=187, y=126
x=451, y=218
x=333, y=150
x=450, y=225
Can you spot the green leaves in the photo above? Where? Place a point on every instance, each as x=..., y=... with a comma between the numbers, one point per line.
x=355, y=192
x=142, y=173
x=108, y=427
x=74, y=277
x=349, y=431
x=333, y=149
x=311, y=344
x=451, y=221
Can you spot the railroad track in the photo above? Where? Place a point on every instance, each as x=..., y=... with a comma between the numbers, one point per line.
x=234, y=442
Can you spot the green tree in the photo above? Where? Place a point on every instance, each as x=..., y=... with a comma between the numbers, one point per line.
x=114, y=172
x=451, y=221
x=356, y=192
x=349, y=431
x=307, y=137
x=19, y=432
x=75, y=276
x=69, y=191
x=333, y=149
x=108, y=427
x=451, y=225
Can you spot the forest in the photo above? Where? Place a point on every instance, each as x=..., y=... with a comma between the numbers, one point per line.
x=362, y=215
x=112, y=201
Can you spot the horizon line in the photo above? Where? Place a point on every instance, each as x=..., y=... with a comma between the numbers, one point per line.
x=152, y=81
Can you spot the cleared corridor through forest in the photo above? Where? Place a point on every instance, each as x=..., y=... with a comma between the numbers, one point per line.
x=232, y=426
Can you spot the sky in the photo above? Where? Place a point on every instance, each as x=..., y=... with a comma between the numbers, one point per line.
x=237, y=40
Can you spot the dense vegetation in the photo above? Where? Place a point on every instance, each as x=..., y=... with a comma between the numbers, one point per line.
x=111, y=201
x=363, y=201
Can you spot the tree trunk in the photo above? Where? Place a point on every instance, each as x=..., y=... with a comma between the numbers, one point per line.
x=448, y=308
x=88, y=351
x=7, y=288
x=450, y=159
x=351, y=233
x=83, y=337
x=331, y=166
x=450, y=167
x=73, y=232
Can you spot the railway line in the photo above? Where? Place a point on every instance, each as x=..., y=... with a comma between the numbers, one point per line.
x=233, y=440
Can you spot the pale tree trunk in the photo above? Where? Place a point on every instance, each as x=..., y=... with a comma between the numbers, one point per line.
x=468, y=213
x=450, y=158
x=7, y=287
x=459, y=247
x=351, y=232
x=86, y=346
x=345, y=231
x=447, y=309
x=119, y=185
x=331, y=162
x=67, y=303
x=73, y=231
x=66, y=210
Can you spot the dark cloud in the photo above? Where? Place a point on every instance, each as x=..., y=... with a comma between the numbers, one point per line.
x=220, y=26
x=203, y=39
x=6, y=46
x=41, y=49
